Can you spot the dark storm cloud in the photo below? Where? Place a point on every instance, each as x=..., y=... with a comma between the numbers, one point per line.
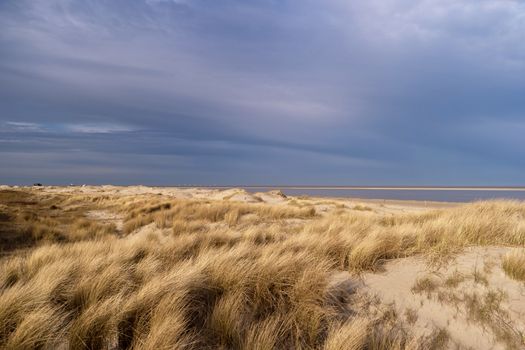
x=195, y=91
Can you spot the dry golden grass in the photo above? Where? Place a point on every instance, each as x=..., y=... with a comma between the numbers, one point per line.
x=167, y=213
x=427, y=285
x=486, y=310
x=362, y=208
x=514, y=264
x=454, y=280
x=222, y=275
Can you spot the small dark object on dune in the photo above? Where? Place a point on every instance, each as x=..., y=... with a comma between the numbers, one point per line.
x=278, y=193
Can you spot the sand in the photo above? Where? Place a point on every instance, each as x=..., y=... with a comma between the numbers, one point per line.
x=448, y=305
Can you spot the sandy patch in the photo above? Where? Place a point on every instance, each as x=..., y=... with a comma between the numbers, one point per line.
x=234, y=194
x=272, y=197
x=107, y=217
x=471, y=298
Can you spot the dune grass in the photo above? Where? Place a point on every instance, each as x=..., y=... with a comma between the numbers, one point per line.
x=514, y=264
x=193, y=274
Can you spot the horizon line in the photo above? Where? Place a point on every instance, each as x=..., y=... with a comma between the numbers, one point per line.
x=382, y=187
x=313, y=187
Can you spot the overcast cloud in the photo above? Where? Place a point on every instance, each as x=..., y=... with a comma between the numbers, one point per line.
x=389, y=92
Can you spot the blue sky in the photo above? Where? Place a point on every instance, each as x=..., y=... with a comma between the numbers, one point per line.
x=383, y=92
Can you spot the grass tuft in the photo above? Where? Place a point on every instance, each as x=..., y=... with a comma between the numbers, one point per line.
x=514, y=264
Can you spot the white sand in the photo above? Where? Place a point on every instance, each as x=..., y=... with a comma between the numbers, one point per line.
x=435, y=309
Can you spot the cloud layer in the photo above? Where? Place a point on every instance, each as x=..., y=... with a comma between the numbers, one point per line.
x=282, y=92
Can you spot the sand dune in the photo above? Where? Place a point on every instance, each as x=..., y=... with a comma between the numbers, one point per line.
x=150, y=267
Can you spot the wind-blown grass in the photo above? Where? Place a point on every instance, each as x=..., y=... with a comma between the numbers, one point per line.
x=225, y=275
x=514, y=264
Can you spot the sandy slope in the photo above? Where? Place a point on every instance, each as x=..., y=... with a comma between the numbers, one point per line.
x=450, y=303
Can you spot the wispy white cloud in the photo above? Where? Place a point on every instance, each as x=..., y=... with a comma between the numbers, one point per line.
x=97, y=128
x=23, y=126
x=58, y=128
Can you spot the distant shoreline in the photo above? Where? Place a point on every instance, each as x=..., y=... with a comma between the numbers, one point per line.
x=314, y=187
x=396, y=188
x=452, y=194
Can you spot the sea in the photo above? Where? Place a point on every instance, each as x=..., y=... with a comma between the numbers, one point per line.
x=427, y=194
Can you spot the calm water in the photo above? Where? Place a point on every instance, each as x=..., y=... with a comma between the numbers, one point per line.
x=405, y=194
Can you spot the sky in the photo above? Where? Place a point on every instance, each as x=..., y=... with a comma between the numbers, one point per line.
x=239, y=92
